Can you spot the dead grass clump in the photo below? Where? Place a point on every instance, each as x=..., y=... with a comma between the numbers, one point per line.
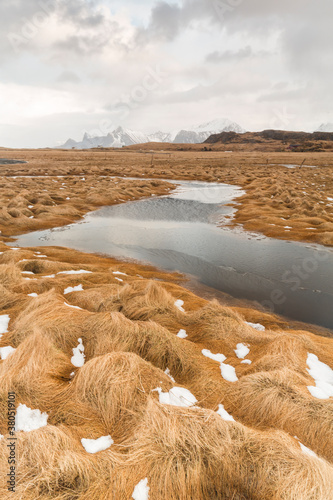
x=48, y=313
x=9, y=275
x=148, y=303
x=116, y=386
x=36, y=372
x=280, y=399
x=156, y=344
x=195, y=454
x=53, y=465
x=9, y=299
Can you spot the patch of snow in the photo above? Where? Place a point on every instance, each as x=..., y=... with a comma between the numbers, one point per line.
x=215, y=357
x=27, y=272
x=81, y=271
x=228, y=372
x=28, y=420
x=256, y=326
x=118, y=279
x=323, y=377
x=4, y=322
x=41, y=256
x=306, y=450
x=182, y=334
x=118, y=272
x=177, y=396
x=242, y=351
x=78, y=355
x=96, y=445
x=179, y=304
x=73, y=307
x=15, y=248
x=246, y=361
x=141, y=490
x=49, y=276
x=32, y=295
x=6, y=351
x=71, y=289
x=167, y=372
x=224, y=414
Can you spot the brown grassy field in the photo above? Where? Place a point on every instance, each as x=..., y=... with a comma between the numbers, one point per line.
x=294, y=204
x=129, y=332
x=239, y=433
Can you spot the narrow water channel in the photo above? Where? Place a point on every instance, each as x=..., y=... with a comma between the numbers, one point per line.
x=179, y=232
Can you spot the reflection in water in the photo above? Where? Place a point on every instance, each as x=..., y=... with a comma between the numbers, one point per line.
x=179, y=232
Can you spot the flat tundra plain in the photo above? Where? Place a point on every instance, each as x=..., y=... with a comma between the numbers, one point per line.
x=128, y=385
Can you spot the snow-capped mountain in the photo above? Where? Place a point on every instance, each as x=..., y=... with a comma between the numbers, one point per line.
x=325, y=127
x=126, y=137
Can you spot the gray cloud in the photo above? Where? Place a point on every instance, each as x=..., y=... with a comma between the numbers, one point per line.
x=251, y=61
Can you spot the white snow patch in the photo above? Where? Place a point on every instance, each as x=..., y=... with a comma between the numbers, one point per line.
x=70, y=289
x=118, y=279
x=28, y=420
x=224, y=414
x=78, y=355
x=306, y=450
x=141, y=490
x=182, y=334
x=73, y=307
x=246, y=361
x=179, y=304
x=228, y=372
x=323, y=377
x=4, y=322
x=96, y=445
x=32, y=294
x=177, y=396
x=256, y=326
x=49, y=276
x=15, y=248
x=167, y=372
x=81, y=271
x=6, y=351
x=242, y=351
x=27, y=272
x=215, y=357
x=118, y=272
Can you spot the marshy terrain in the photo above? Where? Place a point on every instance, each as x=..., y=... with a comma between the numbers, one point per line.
x=129, y=385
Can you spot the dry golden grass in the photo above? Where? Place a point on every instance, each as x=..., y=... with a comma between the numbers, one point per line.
x=294, y=204
x=46, y=202
x=129, y=331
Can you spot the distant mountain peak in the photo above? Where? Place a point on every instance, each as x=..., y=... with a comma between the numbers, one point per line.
x=325, y=127
x=122, y=136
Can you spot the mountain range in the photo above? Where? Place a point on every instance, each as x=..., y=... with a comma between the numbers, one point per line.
x=126, y=137
x=325, y=127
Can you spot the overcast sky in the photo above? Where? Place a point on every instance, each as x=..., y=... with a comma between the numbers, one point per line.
x=70, y=66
